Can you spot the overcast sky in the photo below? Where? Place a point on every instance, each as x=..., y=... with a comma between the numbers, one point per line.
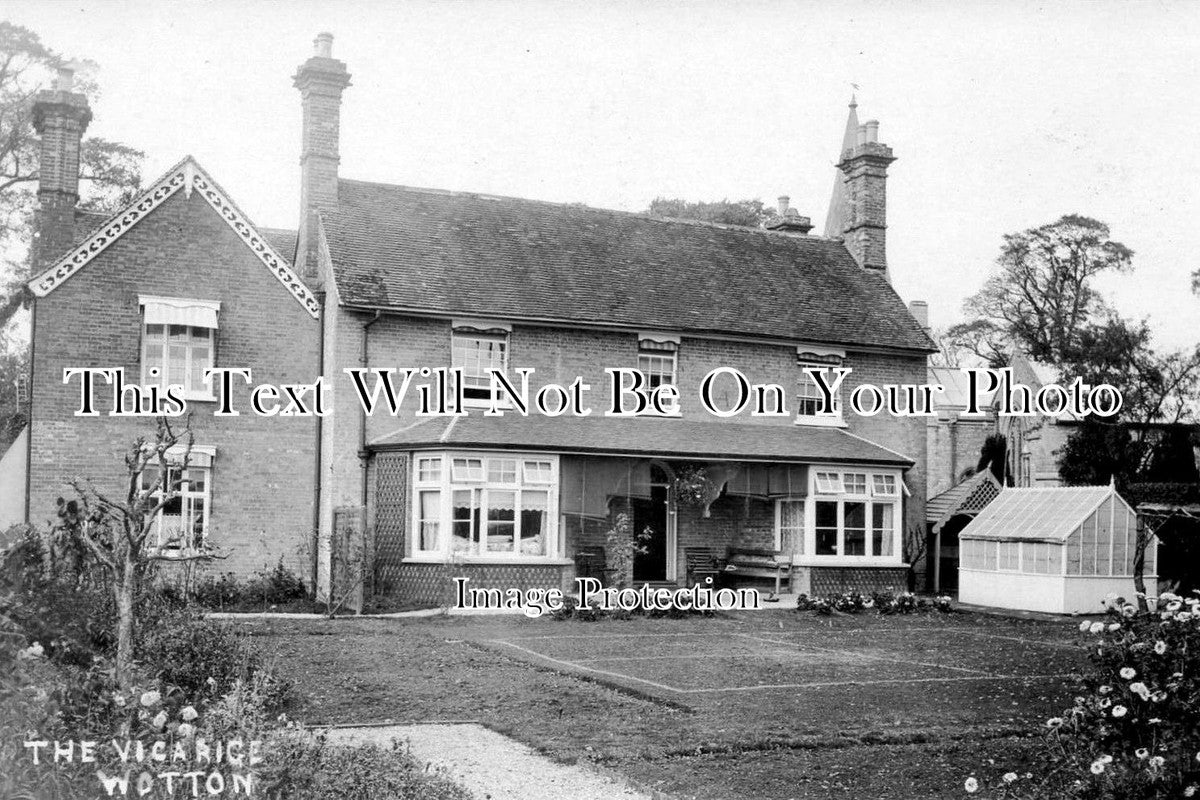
x=1003, y=115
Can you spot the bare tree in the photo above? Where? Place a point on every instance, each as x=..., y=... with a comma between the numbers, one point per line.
x=122, y=534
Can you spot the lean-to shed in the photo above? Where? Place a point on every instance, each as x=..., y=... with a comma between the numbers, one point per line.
x=1061, y=549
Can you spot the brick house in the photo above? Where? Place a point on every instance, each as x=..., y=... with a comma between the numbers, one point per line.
x=389, y=276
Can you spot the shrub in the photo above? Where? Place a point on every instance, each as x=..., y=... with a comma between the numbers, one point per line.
x=300, y=766
x=854, y=602
x=204, y=658
x=273, y=588
x=216, y=592
x=1133, y=731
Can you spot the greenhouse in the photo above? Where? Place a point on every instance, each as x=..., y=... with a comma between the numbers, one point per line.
x=1061, y=550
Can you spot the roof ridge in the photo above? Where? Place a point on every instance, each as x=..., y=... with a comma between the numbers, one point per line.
x=561, y=204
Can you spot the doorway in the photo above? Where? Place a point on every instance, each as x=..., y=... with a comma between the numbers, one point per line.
x=652, y=515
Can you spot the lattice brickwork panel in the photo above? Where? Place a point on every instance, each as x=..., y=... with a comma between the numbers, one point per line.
x=835, y=580
x=433, y=583
x=391, y=513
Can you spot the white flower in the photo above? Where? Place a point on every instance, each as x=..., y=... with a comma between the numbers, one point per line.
x=1114, y=626
x=1160, y=647
x=1105, y=703
x=1010, y=777
x=188, y=713
x=1107, y=759
x=1189, y=791
x=151, y=699
x=1056, y=722
x=1128, y=673
x=1158, y=697
x=1157, y=762
x=1140, y=690
x=1083, y=626
x=186, y=730
x=1198, y=756
x=32, y=652
x=1097, y=767
x=118, y=700
x=1105, y=689
x=971, y=785
x=159, y=720
x=1175, y=606
x=1142, y=753
x=1096, y=627
x=1153, y=721
x=1129, y=611
x=1119, y=711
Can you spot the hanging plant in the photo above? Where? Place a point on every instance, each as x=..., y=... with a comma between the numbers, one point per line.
x=692, y=486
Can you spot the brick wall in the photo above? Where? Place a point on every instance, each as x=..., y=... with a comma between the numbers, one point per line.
x=263, y=477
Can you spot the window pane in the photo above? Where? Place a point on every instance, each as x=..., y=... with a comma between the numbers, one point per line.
x=429, y=512
x=538, y=471
x=502, y=470
x=855, y=482
x=467, y=469
x=177, y=364
x=429, y=470
x=882, y=529
x=826, y=528
x=464, y=520
x=885, y=485
x=534, y=529
x=501, y=521
x=829, y=483
x=856, y=529
x=791, y=526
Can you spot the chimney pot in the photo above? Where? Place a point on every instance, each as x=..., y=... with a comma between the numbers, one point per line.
x=872, y=126
x=65, y=81
x=862, y=135
x=784, y=201
x=323, y=45
x=920, y=311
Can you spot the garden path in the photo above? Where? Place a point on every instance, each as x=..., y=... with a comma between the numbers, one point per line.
x=491, y=765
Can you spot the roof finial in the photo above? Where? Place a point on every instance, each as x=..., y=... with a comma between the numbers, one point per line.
x=853, y=100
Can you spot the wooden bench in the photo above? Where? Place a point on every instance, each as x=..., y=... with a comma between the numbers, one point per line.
x=702, y=564
x=750, y=563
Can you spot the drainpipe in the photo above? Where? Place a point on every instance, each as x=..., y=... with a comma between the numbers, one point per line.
x=316, y=522
x=362, y=429
x=29, y=409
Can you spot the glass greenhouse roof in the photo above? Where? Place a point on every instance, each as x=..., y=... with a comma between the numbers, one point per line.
x=1037, y=514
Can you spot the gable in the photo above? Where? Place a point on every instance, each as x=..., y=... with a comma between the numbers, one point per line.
x=189, y=177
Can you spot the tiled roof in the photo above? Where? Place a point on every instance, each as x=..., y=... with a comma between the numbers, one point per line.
x=1048, y=515
x=456, y=253
x=673, y=438
x=284, y=242
x=968, y=496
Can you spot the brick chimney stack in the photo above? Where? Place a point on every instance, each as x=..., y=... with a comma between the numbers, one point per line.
x=60, y=116
x=864, y=168
x=321, y=81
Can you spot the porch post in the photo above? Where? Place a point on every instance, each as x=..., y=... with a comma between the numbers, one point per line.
x=937, y=559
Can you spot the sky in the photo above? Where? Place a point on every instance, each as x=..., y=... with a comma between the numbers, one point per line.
x=1003, y=116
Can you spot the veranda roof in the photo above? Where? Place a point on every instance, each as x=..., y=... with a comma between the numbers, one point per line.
x=969, y=496
x=1042, y=514
x=644, y=436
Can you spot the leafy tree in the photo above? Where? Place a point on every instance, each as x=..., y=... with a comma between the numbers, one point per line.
x=993, y=456
x=110, y=172
x=1098, y=452
x=750, y=213
x=1042, y=297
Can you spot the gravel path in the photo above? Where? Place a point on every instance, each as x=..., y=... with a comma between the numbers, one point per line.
x=491, y=765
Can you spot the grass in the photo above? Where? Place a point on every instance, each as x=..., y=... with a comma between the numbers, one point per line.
x=868, y=706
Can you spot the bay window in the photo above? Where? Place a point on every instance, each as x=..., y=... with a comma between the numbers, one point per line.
x=485, y=506
x=851, y=514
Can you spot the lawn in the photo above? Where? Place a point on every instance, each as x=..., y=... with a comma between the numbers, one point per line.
x=749, y=705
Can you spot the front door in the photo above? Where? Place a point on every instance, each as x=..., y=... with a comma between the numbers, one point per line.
x=650, y=516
